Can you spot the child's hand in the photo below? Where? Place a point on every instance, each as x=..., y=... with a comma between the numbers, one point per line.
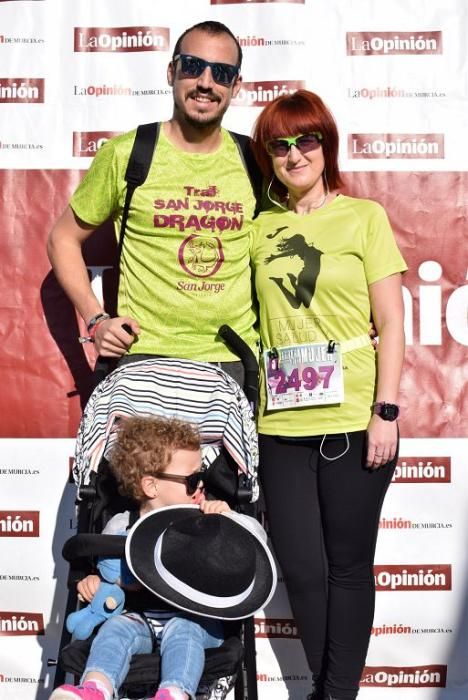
x=214, y=507
x=87, y=587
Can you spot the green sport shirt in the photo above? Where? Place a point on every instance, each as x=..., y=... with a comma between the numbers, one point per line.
x=184, y=268
x=312, y=275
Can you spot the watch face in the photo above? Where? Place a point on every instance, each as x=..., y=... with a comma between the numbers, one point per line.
x=389, y=411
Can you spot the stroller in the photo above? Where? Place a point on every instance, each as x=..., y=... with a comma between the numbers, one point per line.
x=195, y=392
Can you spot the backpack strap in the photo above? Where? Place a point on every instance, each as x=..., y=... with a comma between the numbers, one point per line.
x=137, y=169
x=253, y=171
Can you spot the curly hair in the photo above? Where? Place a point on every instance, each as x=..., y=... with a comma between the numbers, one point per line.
x=145, y=445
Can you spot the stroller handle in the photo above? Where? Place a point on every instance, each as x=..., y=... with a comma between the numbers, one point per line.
x=248, y=359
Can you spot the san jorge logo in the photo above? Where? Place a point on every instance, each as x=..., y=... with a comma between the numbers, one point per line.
x=200, y=256
x=199, y=210
x=126, y=39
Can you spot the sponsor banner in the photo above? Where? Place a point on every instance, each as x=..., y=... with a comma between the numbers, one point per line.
x=8, y=679
x=14, y=624
x=275, y=628
x=431, y=676
x=399, y=523
x=393, y=92
x=413, y=577
x=253, y=41
x=117, y=90
x=87, y=143
x=25, y=146
x=435, y=297
x=396, y=146
x=18, y=471
x=15, y=40
x=259, y=94
x=435, y=294
x=282, y=670
x=423, y=470
x=385, y=630
x=23, y=523
x=19, y=90
x=121, y=39
x=393, y=43
x=19, y=578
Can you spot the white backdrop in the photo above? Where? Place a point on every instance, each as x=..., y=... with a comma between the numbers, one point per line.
x=395, y=76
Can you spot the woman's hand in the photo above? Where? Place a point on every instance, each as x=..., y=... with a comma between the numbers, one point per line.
x=87, y=587
x=382, y=440
x=214, y=507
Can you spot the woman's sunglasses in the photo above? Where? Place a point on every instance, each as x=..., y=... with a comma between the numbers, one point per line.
x=191, y=481
x=193, y=67
x=304, y=143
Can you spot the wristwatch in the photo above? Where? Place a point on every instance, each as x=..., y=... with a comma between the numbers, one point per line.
x=386, y=411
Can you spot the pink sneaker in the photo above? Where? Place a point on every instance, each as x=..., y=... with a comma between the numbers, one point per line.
x=172, y=693
x=88, y=691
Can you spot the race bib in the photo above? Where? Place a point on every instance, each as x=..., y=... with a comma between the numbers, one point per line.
x=304, y=375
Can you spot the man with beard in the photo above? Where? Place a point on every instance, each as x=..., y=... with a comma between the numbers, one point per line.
x=197, y=196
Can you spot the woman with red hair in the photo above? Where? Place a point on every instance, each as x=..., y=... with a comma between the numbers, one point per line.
x=324, y=263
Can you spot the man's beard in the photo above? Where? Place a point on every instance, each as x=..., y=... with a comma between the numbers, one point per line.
x=201, y=121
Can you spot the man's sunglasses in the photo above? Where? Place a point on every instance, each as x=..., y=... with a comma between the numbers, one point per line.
x=304, y=143
x=193, y=67
x=191, y=481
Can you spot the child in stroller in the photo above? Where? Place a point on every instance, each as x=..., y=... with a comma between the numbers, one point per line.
x=156, y=462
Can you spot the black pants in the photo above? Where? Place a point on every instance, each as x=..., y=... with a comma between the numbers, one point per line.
x=323, y=518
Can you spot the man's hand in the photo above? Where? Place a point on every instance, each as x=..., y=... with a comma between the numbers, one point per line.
x=111, y=339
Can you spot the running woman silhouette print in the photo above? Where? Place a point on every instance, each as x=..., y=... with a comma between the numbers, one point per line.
x=304, y=284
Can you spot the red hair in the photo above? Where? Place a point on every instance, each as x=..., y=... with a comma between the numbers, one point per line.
x=290, y=115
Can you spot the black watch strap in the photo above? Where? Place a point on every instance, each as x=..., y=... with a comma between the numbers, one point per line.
x=386, y=411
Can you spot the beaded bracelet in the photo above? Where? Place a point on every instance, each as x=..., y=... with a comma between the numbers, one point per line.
x=102, y=316
x=92, y=327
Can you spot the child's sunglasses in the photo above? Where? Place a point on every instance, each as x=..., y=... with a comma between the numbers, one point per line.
x=193, y=67
x=191, y=481
x=304, y=143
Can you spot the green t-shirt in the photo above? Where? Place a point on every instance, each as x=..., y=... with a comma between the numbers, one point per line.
x=185, y=262
x=311, y=276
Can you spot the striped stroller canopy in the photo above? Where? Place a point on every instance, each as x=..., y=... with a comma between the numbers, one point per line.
x=196, y=392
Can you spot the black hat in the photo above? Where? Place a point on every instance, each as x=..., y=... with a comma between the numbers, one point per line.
x=215, y=565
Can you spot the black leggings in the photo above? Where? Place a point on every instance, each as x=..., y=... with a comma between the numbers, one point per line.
x=323, y=518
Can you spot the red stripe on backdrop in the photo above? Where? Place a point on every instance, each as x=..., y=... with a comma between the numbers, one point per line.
x=428, y=212
x=45, y=374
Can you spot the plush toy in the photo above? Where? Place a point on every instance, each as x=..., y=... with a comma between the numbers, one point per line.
x=109, y=600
